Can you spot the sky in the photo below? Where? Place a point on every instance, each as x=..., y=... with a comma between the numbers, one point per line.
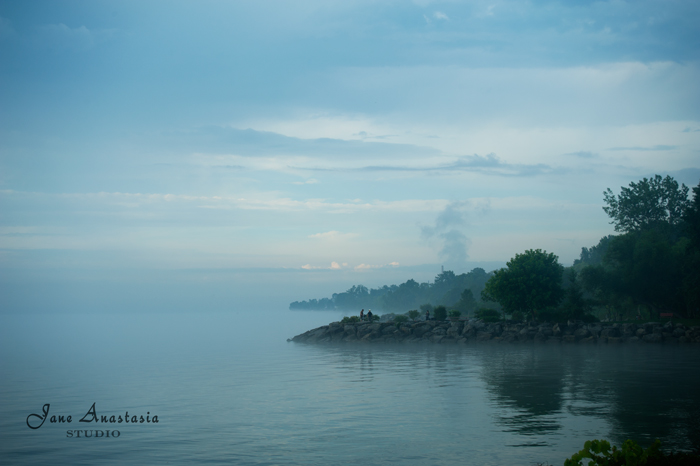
x=170, y=155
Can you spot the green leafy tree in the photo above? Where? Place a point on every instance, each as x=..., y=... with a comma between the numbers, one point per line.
x=488, y=315
x=467, y=303
x=575, y=305
x=646, y=267
x=440, y=313
x=531, y=281
x=599, y=453
x=691, y=265
x=413, y=314
x=692, y=218
x=595, y=254
x=646, y=203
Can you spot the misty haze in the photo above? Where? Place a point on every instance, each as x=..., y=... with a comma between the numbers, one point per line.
x=201, y=203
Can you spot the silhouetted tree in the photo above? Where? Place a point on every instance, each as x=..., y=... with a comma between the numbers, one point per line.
x=646, y=203
x=531, y=281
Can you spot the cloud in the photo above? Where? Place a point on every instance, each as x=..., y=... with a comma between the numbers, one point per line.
x=583, y=154
x=645, y=149
x=262, y=201
x=333, y=235
x=449, y=231
x=59, y=36
x=488, y=165
x=334, y=266
x=440, y=15
x=309, y=181
x=361, y=267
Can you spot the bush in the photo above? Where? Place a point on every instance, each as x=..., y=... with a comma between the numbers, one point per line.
x=400, y=318
x=551, y=314
x=375, y=317
x=413, y=314
x=454, y=314
x=350, y=320
x=600, y=453
x=589, y=318
x=488, y=315
x=440, y=313
x=517, y=316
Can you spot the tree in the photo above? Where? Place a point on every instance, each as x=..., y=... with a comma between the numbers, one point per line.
x=692, y=218
x=691, y=280
x=466, y=304
x=646, y=203
x=644, y=266
x=595, y=254
x=575, y=306
x=440, y=313
x=531, y=281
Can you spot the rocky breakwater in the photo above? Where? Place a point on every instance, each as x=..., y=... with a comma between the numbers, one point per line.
x=463, y=332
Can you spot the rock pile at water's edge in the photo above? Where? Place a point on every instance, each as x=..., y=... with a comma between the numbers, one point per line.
x=462, y=332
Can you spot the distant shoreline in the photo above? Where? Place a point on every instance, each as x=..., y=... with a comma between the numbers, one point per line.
x=465, y=332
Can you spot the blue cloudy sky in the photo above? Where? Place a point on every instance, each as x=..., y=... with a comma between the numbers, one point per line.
x=184, y=153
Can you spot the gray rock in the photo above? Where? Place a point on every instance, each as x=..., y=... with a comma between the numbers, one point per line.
x=679, y=332
x=613, y=332
x=420, y=330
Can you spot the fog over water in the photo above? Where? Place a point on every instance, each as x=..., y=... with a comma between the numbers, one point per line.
x=229, y=388
x=173, y=174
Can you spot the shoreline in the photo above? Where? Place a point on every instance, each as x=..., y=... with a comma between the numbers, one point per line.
x=465, y=332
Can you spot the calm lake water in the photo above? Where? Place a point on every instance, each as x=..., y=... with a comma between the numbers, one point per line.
x=229, y=389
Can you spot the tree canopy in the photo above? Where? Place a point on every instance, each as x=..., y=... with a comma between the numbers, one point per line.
x=645, y=203
x=530, y=282
x=655, y=262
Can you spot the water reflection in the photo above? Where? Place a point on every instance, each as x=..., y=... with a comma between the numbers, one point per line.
x=528, y=385
x=641, y=393
x=635, y=392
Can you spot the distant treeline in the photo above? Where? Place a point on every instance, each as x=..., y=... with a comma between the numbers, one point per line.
x=651, y=268
x=460, y=292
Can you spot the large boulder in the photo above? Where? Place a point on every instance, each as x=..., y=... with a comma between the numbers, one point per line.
x=421, y=330
x=610, y=332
